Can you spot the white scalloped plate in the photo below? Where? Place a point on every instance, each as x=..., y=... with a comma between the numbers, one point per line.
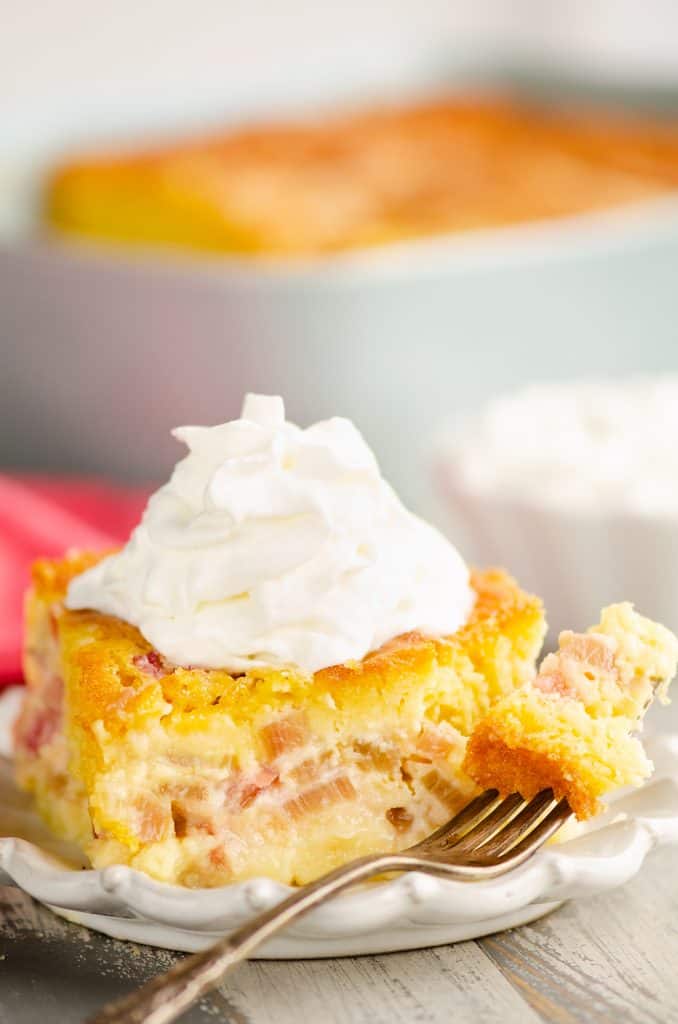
x=407, y=912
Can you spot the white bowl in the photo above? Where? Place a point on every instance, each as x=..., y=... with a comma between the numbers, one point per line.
x=576, y=562
x=577, y=559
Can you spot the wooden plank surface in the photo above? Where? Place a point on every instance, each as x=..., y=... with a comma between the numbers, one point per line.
x=610, y=959
x=53, y=971
x=438, y=986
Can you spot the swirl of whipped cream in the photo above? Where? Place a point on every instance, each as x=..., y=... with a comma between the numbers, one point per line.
x=273, y=545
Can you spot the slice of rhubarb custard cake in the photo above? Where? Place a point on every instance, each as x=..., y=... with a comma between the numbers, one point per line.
x=284, y=669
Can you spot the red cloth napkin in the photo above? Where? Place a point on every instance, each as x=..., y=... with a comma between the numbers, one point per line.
x=44, y=517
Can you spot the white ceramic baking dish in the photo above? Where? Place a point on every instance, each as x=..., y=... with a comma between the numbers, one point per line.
x=104, y=350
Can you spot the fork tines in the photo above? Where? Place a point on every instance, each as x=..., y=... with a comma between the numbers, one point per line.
x=494, y=830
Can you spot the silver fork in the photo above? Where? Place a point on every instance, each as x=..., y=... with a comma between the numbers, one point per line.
x=488, y=837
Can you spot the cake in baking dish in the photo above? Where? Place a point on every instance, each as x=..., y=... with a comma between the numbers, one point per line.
x=362, y=179
x=284, y=669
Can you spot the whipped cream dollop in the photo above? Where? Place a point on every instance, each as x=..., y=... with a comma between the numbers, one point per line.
x=273, y=545
x=581, y=445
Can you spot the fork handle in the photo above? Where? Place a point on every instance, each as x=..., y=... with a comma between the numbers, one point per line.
x=166, y=996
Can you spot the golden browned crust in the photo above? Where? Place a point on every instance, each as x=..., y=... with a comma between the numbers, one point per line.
x=501, y=610
x=359, y=180
x=494, y=764
x=50, y=576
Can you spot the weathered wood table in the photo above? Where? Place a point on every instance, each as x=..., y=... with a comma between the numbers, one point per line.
x=613, y=958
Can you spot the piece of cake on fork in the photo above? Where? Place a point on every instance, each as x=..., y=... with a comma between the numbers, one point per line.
x=571, y=729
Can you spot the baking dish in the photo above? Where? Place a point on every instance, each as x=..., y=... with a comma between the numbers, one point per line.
x=105, y=349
